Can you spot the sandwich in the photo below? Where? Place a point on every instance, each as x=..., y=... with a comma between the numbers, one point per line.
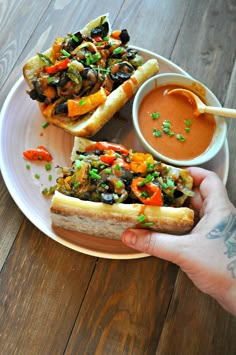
x=109, y=188
x=86, y=77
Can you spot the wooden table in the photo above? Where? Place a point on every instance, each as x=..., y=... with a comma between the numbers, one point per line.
x=54, y=300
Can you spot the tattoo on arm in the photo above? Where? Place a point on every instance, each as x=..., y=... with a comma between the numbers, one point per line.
x=226, y=229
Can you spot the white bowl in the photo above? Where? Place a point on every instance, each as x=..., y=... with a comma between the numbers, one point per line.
x=201, y=90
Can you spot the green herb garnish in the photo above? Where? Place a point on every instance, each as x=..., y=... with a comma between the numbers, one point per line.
x=45, y=124
x=94, y=175
x=180, y=137
x=147, y=179
x=155, y=115
x=157, y=133
x=81, y=102
x=48, y=167
x=141, y=218
x=65, y=53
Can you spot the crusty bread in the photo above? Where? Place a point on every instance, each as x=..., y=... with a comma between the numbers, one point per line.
x=92, y=122
x=101, y=220
x=109, y=221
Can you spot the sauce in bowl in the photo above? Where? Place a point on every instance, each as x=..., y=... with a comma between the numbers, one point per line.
x=170, y=126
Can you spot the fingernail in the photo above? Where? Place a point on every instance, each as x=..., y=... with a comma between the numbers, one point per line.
x=130, y=237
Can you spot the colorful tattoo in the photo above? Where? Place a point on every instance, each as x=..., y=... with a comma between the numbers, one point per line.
x=226, y=229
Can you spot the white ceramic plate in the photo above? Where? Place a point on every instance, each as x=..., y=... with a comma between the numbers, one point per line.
x=21, y=129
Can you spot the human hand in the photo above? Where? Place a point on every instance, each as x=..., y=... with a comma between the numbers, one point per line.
x=208, y=253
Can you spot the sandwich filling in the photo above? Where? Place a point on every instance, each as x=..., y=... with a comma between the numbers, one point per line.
x=81, y=70
x=110, y=173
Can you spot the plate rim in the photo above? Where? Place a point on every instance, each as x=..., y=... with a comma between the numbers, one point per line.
x=44, y=229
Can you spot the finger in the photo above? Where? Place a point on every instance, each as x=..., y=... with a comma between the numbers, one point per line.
x=211, y=189
x=196, y=201
x=165, y=246
x=208, y=181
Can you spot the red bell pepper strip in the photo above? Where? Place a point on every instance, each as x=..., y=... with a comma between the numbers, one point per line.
x=62, y=65
x=108, y=146
x=39, y=153
x=108, y=158
x=148, y=194
x=98, y=39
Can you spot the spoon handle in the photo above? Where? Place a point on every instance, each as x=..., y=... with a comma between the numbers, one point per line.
x=221, y=111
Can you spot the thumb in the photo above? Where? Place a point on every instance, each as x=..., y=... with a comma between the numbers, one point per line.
x=164, y=246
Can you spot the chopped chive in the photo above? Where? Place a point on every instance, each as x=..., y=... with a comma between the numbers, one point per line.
x=147, y=179
x=119, y=184
x=171, y=134
x=50, y=79
x=157, y=133
x=188, y=122
x=117, y=167
x=94, y=175
x=117, y=50
x=156, y=174
x=77, y=184
x=66, y=54
x=75, y=38
x=150, y=167
x=45, y=124
x=82, y=102
x=180, y=137
x=187, y=129
x=155, y=115
x=141, y=218
x=48, y=166
x=170, y=182
x=96, y=57
x=50, y=177
x=166, y=124
x=144, y=194
x=77, y=164
x=108, y=170
x=105, y=38
x=147, y=224
x=166, y=130
x=37, y=176
x=28, y=166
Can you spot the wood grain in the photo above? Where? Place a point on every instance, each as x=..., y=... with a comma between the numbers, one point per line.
x=42, y=288
x=125, y=308
x=17, y=22
x=54, y=300
x=193, y=315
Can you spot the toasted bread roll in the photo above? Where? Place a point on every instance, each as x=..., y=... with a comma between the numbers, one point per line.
x=120, y=203
x=107, y=221
x=88, y=67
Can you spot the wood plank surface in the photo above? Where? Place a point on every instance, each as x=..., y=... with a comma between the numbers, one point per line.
x=124, y=309
x=42, y=285
x=54, y=300
x=17, y=22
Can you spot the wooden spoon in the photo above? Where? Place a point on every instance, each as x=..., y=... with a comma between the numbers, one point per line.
x=200, y=107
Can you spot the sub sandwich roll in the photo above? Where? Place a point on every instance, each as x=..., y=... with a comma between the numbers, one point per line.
x=109, y=188
x=86, y=77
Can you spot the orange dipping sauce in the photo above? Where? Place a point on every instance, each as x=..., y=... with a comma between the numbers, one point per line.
x=169, y=125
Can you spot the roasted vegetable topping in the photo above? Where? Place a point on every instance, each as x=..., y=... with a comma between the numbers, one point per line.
x=110, y=173
x=80, y=66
